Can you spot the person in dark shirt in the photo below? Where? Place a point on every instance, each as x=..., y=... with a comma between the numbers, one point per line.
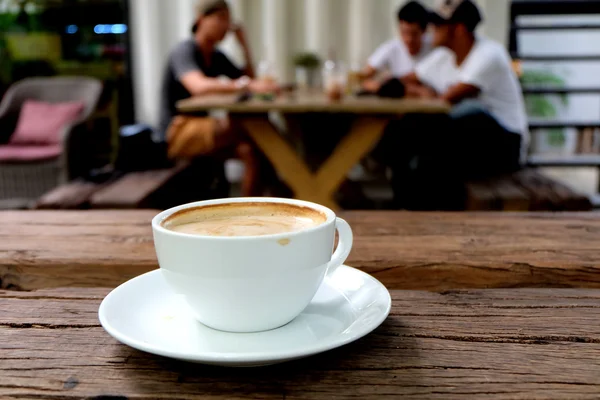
x=195, y=68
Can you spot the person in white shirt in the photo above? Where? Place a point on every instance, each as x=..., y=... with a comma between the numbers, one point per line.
x=486, y=132
x=398, y=57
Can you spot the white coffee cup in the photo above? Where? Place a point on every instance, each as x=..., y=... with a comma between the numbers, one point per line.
x=250, y=283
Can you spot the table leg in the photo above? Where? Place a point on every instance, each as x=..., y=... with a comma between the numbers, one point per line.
x=294, y=128
x=365, y=133
x=319, y=187
x=288, y=164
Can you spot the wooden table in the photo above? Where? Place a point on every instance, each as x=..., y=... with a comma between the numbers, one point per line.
x=421, y=251
x=491, y=344
x=453, y=344
x=371, y=117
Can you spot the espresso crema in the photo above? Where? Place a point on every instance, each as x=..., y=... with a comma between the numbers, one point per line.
x=244, y=219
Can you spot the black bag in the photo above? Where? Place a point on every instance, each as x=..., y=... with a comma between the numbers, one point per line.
x=392, y=89
x=139, y=151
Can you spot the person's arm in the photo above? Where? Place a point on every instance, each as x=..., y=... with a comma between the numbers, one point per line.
x=240, y=35
x=198, y=84
x=411, y=78
x=455, y=94
x=187, y=71
x=243, y=82
x=416, y=89
x=368, y=72
x=377, y=63
x=476, y=74
x=460, y=92
x=191, y=77
x=429, y=78
x=419, y=91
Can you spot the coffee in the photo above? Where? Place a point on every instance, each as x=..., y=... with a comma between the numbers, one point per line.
x=244, y=219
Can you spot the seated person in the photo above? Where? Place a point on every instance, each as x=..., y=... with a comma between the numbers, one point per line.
x=486, y=133
x=399, y=56
x=194, y=69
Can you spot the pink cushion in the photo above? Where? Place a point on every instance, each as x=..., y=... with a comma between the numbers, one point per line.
x=43, y=123
x=12, y=152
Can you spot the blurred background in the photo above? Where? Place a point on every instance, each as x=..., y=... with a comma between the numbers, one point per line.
x=278, y=29
x=125, y=44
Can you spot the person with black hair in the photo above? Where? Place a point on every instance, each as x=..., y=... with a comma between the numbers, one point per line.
x=486, y=132
x=473, y=73
x=399, y=56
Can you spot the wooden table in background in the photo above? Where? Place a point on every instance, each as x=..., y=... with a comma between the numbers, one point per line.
x=371, y=117
x=418, y=251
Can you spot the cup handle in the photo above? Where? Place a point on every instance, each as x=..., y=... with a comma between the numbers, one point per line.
x=343, y=248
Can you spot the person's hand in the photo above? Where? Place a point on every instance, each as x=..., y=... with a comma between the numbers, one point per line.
x=419, y=91
x=263, y=86
x=371, y=85
x=240, y=34
x=428, y=93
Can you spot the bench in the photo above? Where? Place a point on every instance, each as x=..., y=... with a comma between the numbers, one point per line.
x=134, y=190
x=159, y=189
x=70, y=196
x=526, y=190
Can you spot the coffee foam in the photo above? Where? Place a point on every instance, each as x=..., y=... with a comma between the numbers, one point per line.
x=244, y=219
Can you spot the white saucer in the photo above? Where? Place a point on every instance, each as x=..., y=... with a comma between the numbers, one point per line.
x=145, y=314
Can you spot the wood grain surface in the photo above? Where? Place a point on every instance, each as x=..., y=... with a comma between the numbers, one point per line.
x=419, y=251
x=478, y=344
x=40, y=249
x=314, y=102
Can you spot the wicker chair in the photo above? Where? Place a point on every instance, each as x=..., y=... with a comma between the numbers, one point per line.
x=21, y=183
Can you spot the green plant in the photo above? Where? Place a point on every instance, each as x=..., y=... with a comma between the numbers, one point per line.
x=19, y=16
x=541, y=105
x=307, y=60
x=6, y=21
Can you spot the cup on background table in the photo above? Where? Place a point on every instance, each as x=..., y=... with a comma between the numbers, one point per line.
x=335, y=80
x=266, y=72
x=354, y=78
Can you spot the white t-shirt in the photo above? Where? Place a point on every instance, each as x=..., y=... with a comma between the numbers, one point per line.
x=395, y=57
x=487, y=67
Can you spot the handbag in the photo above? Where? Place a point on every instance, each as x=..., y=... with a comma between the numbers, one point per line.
x=139, y=151
x=392, y=89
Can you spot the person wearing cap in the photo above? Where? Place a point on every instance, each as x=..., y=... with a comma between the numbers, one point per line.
x=398, y=57
x=486, y=133
x=195, y=68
